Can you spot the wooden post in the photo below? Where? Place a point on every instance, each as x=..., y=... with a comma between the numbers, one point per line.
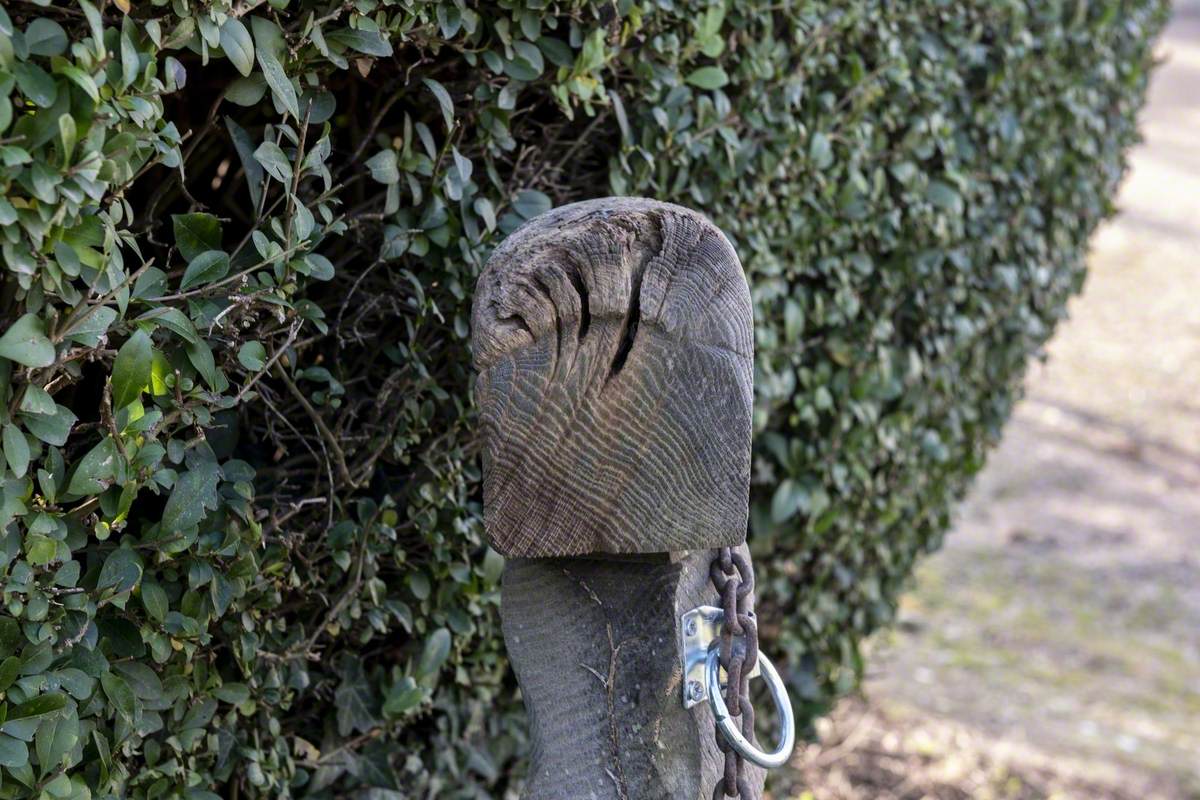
x=613, y=340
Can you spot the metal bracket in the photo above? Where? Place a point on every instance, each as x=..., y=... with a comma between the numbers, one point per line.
x=699, y=630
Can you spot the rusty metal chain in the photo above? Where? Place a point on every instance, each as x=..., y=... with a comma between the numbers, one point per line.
x=733, y=578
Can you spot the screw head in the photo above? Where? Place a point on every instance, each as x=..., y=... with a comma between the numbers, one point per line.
x=695, y=690
x=690, y=628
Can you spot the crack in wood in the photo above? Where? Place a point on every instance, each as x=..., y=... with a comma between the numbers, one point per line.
x=615, y=421
x=617, y=418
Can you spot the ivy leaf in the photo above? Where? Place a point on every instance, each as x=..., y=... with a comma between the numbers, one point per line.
x=528, y=64
x=37, y=401
x=160, y=368
x=449, y=20
x=945, y=197
x=209, y=266
x=195, y=492
x=793, y=320
x=370, y=43
x=96, y=25
x=76, y=681
x=131, y=60
x=67, y=134
x=274, y=161
x=556, y=50
x=319, y=267
x=131, y=370
x=16, y=450
x=81, y=79
x=483, y=207
x=354, y=699
x=142, y=679
x=36, y=84
x=530, y=203
x=120, y=695
x=200, y=354
x=173, y=320
x=67, y=575
x=245, y=150
x=88, y=329
x=45, y=37
x=40, y=549
x=246, y=91
x=402, y=697
x=238, y=45
x=154, y=599
x=384, y=167
x=41, y=706
x=121, y=571
x=94, y=472
x=10, y=669
x=51, y=428
x=787, y=500
x=222, y=592
x=196, y=233
x=444, y=100
x=303, y=222
x=14, y=754
x=25, y=342
x=820, y=151
x=176, y=74
x=269, y=48
x=252, y=356
x=234, y=693
x=437, y=650
x=708, y=78
x=55, y=739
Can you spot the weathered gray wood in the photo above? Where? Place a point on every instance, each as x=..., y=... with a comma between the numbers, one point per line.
x=614, y=345
x=595, y=647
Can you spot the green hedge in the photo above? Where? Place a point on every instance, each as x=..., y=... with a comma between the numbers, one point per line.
x=240, y=540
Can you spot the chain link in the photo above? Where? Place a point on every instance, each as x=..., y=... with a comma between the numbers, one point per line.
x=733, y=578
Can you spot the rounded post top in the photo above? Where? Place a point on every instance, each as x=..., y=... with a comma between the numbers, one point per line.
x=614, y=343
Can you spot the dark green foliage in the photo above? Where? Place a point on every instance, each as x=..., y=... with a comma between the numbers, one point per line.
x=240, y=544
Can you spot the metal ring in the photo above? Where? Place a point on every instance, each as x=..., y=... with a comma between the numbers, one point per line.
x=787, y=722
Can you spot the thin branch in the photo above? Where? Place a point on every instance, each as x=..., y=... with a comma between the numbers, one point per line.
x=330, y=439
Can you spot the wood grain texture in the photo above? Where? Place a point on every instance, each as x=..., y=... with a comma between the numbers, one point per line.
x=594, y=644
x=613, y=340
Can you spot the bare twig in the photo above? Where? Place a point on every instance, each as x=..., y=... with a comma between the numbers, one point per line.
x=331, y=440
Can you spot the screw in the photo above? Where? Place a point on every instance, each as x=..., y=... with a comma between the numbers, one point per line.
x=690, y=629
x=695, y=690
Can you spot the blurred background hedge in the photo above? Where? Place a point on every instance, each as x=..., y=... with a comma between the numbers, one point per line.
x=240, y=539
